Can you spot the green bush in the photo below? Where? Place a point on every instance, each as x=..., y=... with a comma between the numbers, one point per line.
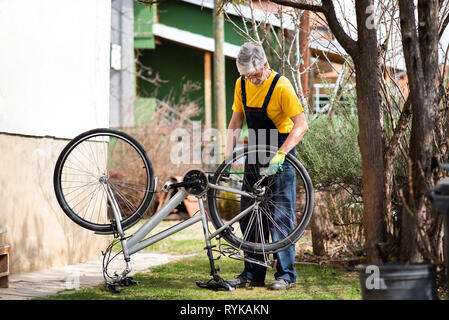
x=331, y=154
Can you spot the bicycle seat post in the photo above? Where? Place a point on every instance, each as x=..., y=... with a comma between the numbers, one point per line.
x=206, y=235
x=218, y=282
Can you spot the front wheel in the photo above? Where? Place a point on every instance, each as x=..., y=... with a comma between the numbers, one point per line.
x=97, y=162
x=278, y=207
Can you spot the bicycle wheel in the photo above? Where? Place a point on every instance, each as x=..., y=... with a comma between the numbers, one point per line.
x=274, y=223
x=93, y=163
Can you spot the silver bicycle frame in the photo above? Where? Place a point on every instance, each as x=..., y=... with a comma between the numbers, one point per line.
x=136, y=243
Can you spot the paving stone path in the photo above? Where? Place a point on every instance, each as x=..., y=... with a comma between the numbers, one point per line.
x=48, y=282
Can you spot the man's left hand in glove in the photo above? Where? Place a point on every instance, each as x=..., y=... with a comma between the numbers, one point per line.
x=275, y=165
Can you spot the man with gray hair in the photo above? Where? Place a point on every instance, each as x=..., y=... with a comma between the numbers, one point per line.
x=251, y=58
x=267, y=101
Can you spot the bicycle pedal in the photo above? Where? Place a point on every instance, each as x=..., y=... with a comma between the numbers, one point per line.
x=128, y=281
x=215, y=285
x=113, y=287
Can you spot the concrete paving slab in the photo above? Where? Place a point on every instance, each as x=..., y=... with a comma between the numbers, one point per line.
x=48, y=282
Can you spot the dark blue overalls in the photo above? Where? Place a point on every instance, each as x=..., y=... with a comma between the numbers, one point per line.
x=283, y=191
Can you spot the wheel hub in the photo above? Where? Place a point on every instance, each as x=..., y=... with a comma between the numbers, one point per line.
x=263, y=194
x=104, y=179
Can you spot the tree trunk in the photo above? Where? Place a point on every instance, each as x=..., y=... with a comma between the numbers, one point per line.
x=305, y=51
x=219, y=76
x=421, y=57
x=364, y=53
x=371, y=134
x=321, y=227
x=318, y=232
x=389, y=163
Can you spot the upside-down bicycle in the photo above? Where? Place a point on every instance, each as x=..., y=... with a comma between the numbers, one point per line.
x=104, y=181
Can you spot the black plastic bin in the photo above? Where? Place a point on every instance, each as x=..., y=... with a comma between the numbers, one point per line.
x=398, y=281
x=439, y=196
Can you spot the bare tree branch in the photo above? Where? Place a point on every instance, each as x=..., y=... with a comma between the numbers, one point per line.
x=299, y=5
x=349, y=44
x=443, y=26
x=443, y=9
x=149, y=2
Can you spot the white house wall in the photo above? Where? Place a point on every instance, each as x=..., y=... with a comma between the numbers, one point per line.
x=54, y=83
x=54, y=66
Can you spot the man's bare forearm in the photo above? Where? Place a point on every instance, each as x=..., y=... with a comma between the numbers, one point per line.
x=231, y=140
x=233, y=134
x=295, y=136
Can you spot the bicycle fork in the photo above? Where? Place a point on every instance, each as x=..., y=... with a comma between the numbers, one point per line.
x=121, y=233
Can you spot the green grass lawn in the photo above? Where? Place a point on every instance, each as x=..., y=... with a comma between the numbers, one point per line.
x=176, y=281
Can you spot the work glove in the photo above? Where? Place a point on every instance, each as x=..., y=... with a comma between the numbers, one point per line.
x=275, y=165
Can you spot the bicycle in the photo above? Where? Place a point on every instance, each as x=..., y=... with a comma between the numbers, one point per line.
x=104, y=181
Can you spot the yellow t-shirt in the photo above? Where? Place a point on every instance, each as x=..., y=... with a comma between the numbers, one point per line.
x=283, y=104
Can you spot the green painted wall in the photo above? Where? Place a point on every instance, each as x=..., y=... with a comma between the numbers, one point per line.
x=193, y=18
x=143, y=109
x=177, y=65
x=144, y=17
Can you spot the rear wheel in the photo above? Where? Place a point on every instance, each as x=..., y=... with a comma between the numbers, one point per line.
x=95, y=161
x=274, y=223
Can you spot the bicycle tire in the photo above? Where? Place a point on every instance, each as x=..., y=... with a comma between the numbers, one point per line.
x=302, y=218
x=93, y=156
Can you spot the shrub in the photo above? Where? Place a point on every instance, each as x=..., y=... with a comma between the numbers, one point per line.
x=331, y=155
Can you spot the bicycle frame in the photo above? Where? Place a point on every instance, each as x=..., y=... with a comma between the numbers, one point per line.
x=135, y=243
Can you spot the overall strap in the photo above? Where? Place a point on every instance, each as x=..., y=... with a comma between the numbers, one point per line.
x=242, y=84
x=270, y=91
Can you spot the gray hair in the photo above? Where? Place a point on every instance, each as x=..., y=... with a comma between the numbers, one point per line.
x=251, y=57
